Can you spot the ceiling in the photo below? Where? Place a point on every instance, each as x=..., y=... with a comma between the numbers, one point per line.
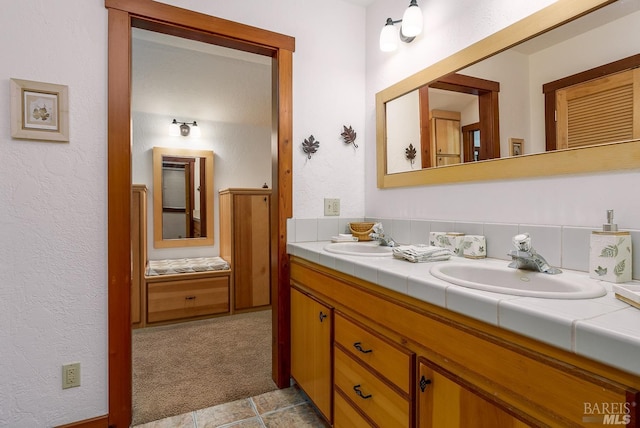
x=364, y=3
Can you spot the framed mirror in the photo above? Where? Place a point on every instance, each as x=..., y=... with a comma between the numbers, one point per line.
x=511, y=60
x=182, y=197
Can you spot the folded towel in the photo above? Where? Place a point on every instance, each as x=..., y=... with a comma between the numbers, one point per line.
x=422, y=253
x=343, y=237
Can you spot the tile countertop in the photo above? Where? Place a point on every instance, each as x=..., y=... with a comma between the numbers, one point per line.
x=604, y=329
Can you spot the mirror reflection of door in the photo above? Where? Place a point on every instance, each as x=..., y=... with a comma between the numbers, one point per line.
x=471, y=142
x=183, y=197
x=416, y=116
x=594, y=106
x=484, y=106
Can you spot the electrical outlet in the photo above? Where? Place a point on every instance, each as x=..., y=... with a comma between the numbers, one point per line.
x=70, y=375
x=331, y=206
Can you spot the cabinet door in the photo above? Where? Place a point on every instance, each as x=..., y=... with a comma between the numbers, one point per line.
x=251, y=240
x=447, y=134
x=311, y=324
x=443, y=402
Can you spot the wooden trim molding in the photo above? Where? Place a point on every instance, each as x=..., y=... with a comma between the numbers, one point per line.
x=97, y=422
x=154, y=16
x=189, y=24
x=119, y=219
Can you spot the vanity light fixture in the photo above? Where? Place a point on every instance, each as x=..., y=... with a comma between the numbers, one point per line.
x=410, y=28
x=182, y=128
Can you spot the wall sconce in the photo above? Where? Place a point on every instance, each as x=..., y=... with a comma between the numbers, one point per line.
x=410, y=28
x=182, y=128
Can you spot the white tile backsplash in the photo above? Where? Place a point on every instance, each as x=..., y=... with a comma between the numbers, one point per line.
x=328, y=227
x=468, y=228
x=306, y=229
x=443, y=226
x=420, y=231
x=401, y=231
x=575, y=248
x=562, y=246
x=546, y=240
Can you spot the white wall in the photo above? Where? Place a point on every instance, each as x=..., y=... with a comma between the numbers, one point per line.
x=229, y=97
x=578, y=200
x=53, y=197
x=328, y=92
x=53, y=219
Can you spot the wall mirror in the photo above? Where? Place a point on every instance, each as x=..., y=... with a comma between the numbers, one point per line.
x=182, y=197
x=563, y=39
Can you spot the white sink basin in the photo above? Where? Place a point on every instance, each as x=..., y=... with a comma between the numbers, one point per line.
x=518, y=282
x=366, y=249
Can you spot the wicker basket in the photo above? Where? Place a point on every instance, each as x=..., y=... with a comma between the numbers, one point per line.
x=361, y=230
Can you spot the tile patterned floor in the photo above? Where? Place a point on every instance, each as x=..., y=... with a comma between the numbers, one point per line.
x=284, y=408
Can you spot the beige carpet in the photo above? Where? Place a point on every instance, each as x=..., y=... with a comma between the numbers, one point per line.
x=184, y=367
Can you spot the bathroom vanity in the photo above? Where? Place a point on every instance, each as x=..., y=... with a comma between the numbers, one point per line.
x=370, y=351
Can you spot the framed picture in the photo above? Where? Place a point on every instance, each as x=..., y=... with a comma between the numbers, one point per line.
x=516, y=146
x=39, y=111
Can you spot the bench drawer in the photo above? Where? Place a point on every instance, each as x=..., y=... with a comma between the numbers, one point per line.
x=173, y=300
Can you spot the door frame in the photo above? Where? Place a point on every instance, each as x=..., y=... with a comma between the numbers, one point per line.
x=150, y=15
x=487, y=92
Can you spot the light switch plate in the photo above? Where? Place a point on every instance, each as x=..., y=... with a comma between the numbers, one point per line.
x=331, y=206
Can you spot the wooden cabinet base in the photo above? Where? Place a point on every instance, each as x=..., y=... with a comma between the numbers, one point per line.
x=469, y=370
x=185, y=297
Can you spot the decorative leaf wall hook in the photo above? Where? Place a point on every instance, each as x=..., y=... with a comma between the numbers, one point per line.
x=410, y=153
x=310, y=146
x=349, y=136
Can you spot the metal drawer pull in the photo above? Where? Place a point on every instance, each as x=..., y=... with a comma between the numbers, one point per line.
x=190, y=298
x=322, y=316
x=357, y=390
x=358, y=346
x=424, y=382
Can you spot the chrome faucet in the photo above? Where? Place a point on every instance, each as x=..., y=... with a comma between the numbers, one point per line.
x=378, y=235
x=525, y=257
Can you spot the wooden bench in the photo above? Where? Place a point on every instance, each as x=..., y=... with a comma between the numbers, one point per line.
x=186, y=289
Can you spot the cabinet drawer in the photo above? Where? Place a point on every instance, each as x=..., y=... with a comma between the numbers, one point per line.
x=388, y=359
x=385, y=406
x=345, y=415
x=173, y=300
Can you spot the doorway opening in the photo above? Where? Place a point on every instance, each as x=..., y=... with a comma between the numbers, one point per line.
x=145, y=14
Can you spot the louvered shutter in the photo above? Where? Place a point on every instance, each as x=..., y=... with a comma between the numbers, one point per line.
x=599, y=111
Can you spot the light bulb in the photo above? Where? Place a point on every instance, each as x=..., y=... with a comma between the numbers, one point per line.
x=389, y=38
x=412, y=20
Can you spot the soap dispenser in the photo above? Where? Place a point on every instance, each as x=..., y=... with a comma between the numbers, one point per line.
x=610, y=255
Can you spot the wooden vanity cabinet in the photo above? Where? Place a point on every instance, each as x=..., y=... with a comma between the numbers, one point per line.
x=311, y=334
x=245, y=239
x=372, y=375
x=138, y=253
x=469, y=373
x=444, y=402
